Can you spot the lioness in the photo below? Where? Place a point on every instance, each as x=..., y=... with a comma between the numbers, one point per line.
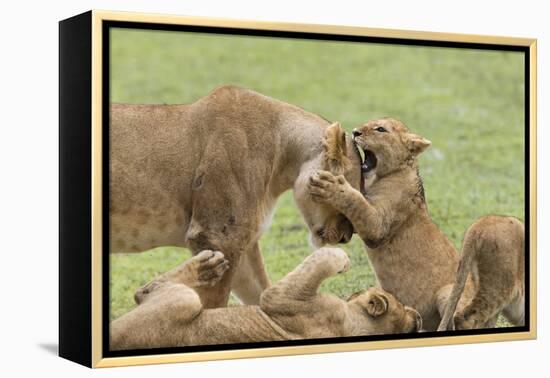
x=169, y=312
x=411, y=256
x=207, y=175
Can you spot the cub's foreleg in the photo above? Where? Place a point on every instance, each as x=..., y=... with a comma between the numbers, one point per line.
x=165, y=302
x=368, y=221
x=204, y=269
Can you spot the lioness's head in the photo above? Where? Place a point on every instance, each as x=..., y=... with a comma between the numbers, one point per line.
x=377, y=309
x=338, y=155
x=388, y=145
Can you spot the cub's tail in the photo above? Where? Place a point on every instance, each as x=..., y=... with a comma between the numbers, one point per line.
x=469, y=251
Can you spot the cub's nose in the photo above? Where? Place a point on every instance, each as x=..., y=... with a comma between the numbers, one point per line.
x=356, y=133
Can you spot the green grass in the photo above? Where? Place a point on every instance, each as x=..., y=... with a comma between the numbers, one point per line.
x=469, y=103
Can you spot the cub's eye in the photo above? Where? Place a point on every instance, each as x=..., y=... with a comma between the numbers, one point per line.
x=380, y=129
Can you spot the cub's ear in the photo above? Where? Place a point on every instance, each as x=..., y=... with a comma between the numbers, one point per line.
x=416, y=144
x=336, y=159
x=377, y=304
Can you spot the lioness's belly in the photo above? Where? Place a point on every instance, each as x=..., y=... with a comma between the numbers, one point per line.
x=140, y=228
x=152, y=162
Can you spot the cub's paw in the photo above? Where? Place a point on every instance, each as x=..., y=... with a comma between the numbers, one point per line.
x=142, y=292
x=462, y=321
x=334, y=258
x=205, y=268
x=323, y=185
x=210, y=267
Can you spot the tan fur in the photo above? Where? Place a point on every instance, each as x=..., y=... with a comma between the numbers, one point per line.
x=169, y=312
x=336, y=155
x=411, y=256
x=494, y=250
x=207, y=175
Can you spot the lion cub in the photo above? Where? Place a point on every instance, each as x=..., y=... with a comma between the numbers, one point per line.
x=169, y=312
x=411, y=256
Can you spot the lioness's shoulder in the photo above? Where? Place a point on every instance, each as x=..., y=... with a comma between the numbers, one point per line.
x=234, y=93
x=228, y=90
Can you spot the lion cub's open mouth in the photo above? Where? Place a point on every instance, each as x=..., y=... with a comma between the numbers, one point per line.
x=368, y=158
x=369, y=162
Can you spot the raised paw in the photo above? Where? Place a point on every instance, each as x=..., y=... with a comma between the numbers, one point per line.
x=212, y=266
x=142, y=292
x=205, y=268
x=323, y=185
x=334, y=258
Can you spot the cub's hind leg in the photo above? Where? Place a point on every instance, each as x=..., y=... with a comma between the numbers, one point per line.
x=294, y=304
x=515, y=311
x=499, y=259
x=493, y=294
x=443, y=298
x=491, y=323
x=488, y=302
x=299, y=287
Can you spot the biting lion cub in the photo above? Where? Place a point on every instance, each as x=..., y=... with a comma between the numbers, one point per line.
x=169, y=312
x=411, y=256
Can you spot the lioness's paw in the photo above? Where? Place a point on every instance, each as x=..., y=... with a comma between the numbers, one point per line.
x=211, y=267
x=337, y=259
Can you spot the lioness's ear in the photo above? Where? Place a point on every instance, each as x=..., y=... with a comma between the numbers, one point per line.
x=377, y=305
x=416, y=144
x=336, y=159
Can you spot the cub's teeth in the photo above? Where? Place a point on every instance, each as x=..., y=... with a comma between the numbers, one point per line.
x=362, y=154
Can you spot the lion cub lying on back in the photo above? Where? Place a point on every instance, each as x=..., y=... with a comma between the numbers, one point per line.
x=411, y=256
x=170, y=313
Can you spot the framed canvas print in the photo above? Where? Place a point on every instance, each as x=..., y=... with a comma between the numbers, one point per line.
x=235, y=189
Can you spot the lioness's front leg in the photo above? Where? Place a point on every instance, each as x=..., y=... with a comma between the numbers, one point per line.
x=335, y=191
x=250, y=279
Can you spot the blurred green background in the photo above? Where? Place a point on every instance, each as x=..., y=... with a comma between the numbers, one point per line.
x=469, y=103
